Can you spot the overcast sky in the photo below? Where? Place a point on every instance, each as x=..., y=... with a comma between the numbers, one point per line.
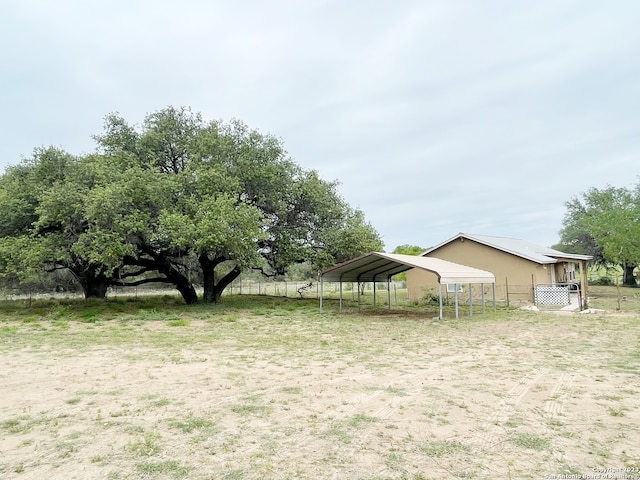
x=436, y=116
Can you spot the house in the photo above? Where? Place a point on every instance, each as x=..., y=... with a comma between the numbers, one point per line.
x=523, y=271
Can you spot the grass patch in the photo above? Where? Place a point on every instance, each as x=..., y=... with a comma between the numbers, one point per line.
x=441, y=448
x=25, y=423
x=171, y=467
x=191, y=424
x=291, y=390
x=234, y=475
x=154, y=314
x=146, y=446
x=616, y=411
x=338, y=433
x=250, y=409
x=182, y=322
x=360, y=420
x=532, y=441
x=13, y=425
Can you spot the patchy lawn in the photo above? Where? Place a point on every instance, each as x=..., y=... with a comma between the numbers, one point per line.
x=269, y=388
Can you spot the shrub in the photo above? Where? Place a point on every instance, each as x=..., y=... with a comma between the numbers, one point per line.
x=429, y=297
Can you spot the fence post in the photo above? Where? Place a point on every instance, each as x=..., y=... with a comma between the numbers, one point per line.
x=506, y=283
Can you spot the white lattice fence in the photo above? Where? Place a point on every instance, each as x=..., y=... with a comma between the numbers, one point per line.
x=552, y=295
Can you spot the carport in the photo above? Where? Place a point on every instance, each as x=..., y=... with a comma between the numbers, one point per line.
x=380, y=267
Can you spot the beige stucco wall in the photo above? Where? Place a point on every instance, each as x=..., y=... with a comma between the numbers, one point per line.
x=519, y=273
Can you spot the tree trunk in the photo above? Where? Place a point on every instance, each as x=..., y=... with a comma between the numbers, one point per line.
x=212, y=290
x=182, y=283
x=223, y=284
x=188, y=292
x=96, y=288
x=628, y=279
x=93, y=281
x=163, y=265
x=208, y=283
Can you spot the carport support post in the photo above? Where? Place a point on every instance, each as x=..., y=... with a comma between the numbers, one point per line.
x=456, y=296
x=388, y=293
x=321, y=282
x=470, y=302
x=358, y=284
x=440, y=298
x=374, y=292
x=340, y=308
x=484, y=310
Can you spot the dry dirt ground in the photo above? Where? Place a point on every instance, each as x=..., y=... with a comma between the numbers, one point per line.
x=284, y=395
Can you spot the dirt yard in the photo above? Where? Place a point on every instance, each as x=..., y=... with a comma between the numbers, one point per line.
x=286, y=394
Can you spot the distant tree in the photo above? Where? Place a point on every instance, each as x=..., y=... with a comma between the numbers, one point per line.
x=605, y=223
x=407, y=250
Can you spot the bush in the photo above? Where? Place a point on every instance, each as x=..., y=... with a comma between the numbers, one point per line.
x=602, y=281
x=430, y=298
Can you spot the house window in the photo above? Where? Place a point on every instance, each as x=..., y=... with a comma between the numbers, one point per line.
x=453, y=287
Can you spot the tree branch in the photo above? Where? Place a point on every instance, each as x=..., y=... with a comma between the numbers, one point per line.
x=142, y=282
x=261, y=270
x=53, y=269
x=140, y=262
x=136, y=273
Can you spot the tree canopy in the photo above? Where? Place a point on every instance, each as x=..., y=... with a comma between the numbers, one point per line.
x=174, y=199
x=605, y=223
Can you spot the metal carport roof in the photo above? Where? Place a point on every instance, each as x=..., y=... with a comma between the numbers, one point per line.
x=378, y=267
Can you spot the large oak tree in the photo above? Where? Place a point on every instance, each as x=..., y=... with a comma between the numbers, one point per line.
x=175, y=194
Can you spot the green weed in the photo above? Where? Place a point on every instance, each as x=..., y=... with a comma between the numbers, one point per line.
x=146, y=446
x=171, y=467
x=441, y=448
x=191, y=424
x=182, y=322
x=532, y=441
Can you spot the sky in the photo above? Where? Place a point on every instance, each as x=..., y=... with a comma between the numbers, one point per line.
x=435, y=117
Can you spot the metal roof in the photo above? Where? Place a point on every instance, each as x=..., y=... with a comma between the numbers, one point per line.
x=514, y=246
x=377, y=267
